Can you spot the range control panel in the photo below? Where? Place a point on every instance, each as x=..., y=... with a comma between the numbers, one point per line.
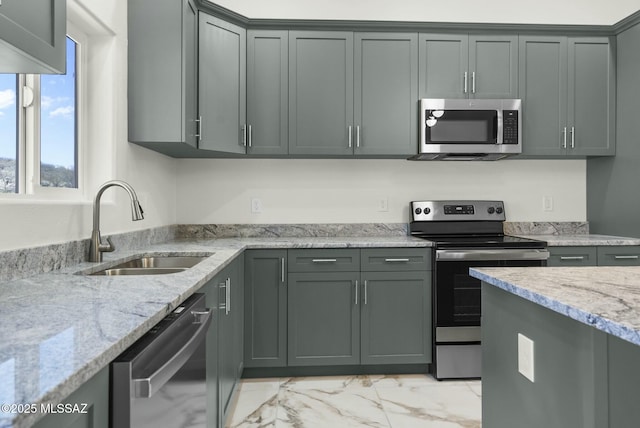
x=457, y=211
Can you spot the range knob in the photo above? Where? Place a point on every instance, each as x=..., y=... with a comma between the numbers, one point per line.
x=491, y=210
x=499, y=210
x=418, y=211
x=427, y=210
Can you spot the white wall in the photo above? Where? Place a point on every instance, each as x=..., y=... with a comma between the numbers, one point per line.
x=579, y=12
x=349, y=190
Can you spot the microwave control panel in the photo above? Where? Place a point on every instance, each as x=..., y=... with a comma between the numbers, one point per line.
x=510, y=127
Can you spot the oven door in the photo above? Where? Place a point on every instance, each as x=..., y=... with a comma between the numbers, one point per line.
x=457, y=294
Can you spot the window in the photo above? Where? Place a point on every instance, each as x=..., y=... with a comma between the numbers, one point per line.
x=39, y=129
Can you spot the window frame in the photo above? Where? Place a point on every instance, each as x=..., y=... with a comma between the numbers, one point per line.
x=28, y=151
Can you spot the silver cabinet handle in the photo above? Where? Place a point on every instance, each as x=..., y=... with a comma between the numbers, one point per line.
x=473, y=82
x=349, y=132
x=571, y=257
x=465, y=82
x=199, y=133
x=358, y=136
x=244, y=135
x=146, y=387
x=224, y=305
x=365, y=291
x=564, y=138
x=396, y=260
x=228, y=305
x=282, y=269
x=356, y=287
x=625, y=257
x=324, y=260
x=249, y=135
x=573, y=137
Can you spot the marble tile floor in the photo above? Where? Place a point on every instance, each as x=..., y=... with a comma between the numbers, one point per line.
x=377, y=401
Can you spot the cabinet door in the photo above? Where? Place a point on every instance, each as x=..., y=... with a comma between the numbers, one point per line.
x=267, y=92
x=162, y=105
x=386, y=93
x=32, y=36
x=324, y=319
x=211, y=291
x=572, y=256
x=95, y=394
x=543, y=89
x=443, y=66
x=222, y=85
x=396, y=317
x=227, y=366
x=591, y=96
x=265, y=323
x=493, y=66
x=320, y=93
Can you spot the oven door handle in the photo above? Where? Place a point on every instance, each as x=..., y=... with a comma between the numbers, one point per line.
x=492, y=254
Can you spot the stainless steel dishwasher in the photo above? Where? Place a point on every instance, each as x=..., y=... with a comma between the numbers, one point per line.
x=160, y=381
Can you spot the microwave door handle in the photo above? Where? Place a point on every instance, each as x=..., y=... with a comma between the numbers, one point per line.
x=498, y=126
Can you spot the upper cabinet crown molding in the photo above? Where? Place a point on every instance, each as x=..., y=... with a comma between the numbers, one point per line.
x=33, y=36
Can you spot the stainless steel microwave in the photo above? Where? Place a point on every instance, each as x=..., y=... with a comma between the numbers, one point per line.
x=469, y=129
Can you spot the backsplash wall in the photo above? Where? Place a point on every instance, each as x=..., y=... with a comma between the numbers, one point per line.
x=220, y=191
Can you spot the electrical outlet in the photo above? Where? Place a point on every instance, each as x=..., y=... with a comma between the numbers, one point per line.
x=525, y=357
x=383, y=205
x=547, y=203
x=256, y=205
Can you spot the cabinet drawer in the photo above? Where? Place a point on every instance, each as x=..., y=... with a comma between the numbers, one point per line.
x=622, y=255
x=572, y=256
x=395, y=259
x=324, y=260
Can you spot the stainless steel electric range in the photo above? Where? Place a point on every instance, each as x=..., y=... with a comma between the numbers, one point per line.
x=466, y=234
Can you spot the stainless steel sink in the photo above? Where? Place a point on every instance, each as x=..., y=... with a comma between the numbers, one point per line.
x=152, y=266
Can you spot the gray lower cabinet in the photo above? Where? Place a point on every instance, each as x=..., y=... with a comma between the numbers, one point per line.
x=267, y=92
x=162, y=75
x=323, y=319
x=320, y=93
x=95, y=394
x=230, y=334
x=222, y=85
x=395, y=317
x=565, y=83
x=613, y=255
x=33, y=36
x=385, y=94
x=468, y=66
x=265, y=326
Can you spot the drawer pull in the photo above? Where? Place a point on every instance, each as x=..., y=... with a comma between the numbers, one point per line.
x=571, y=257
x=324, y=260
x=625, y=257
x=396, y=260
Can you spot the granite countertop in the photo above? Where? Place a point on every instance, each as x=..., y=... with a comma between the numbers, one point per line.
x=605, y=297
x=61, y=328
x=583, y=240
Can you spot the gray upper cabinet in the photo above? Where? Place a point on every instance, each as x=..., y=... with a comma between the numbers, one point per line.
x=463, y=66
x=222, y=85
x=568, y=91
x=320, y=93
x=32, y=36
x=162, y=89
x=267, y=92
x=385, y=94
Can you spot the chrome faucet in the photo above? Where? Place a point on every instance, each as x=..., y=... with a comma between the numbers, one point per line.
x=96, y=247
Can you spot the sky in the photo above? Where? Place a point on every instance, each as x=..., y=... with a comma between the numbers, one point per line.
x=57, y=116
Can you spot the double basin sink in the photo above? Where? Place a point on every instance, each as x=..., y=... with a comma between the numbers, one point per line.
x=152, y=265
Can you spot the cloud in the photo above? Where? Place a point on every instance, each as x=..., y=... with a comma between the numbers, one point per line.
x=62, y=111
x=7, y=98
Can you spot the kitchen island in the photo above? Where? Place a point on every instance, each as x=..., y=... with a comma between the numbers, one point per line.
x=560, y=346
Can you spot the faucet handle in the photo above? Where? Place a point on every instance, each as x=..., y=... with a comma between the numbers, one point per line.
x=107, y=248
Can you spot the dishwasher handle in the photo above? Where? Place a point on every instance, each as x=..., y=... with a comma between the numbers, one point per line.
x=147, y=386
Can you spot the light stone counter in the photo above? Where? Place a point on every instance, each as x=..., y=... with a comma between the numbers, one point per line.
x=58, y=329
x=583, y=240
x=607, y=298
